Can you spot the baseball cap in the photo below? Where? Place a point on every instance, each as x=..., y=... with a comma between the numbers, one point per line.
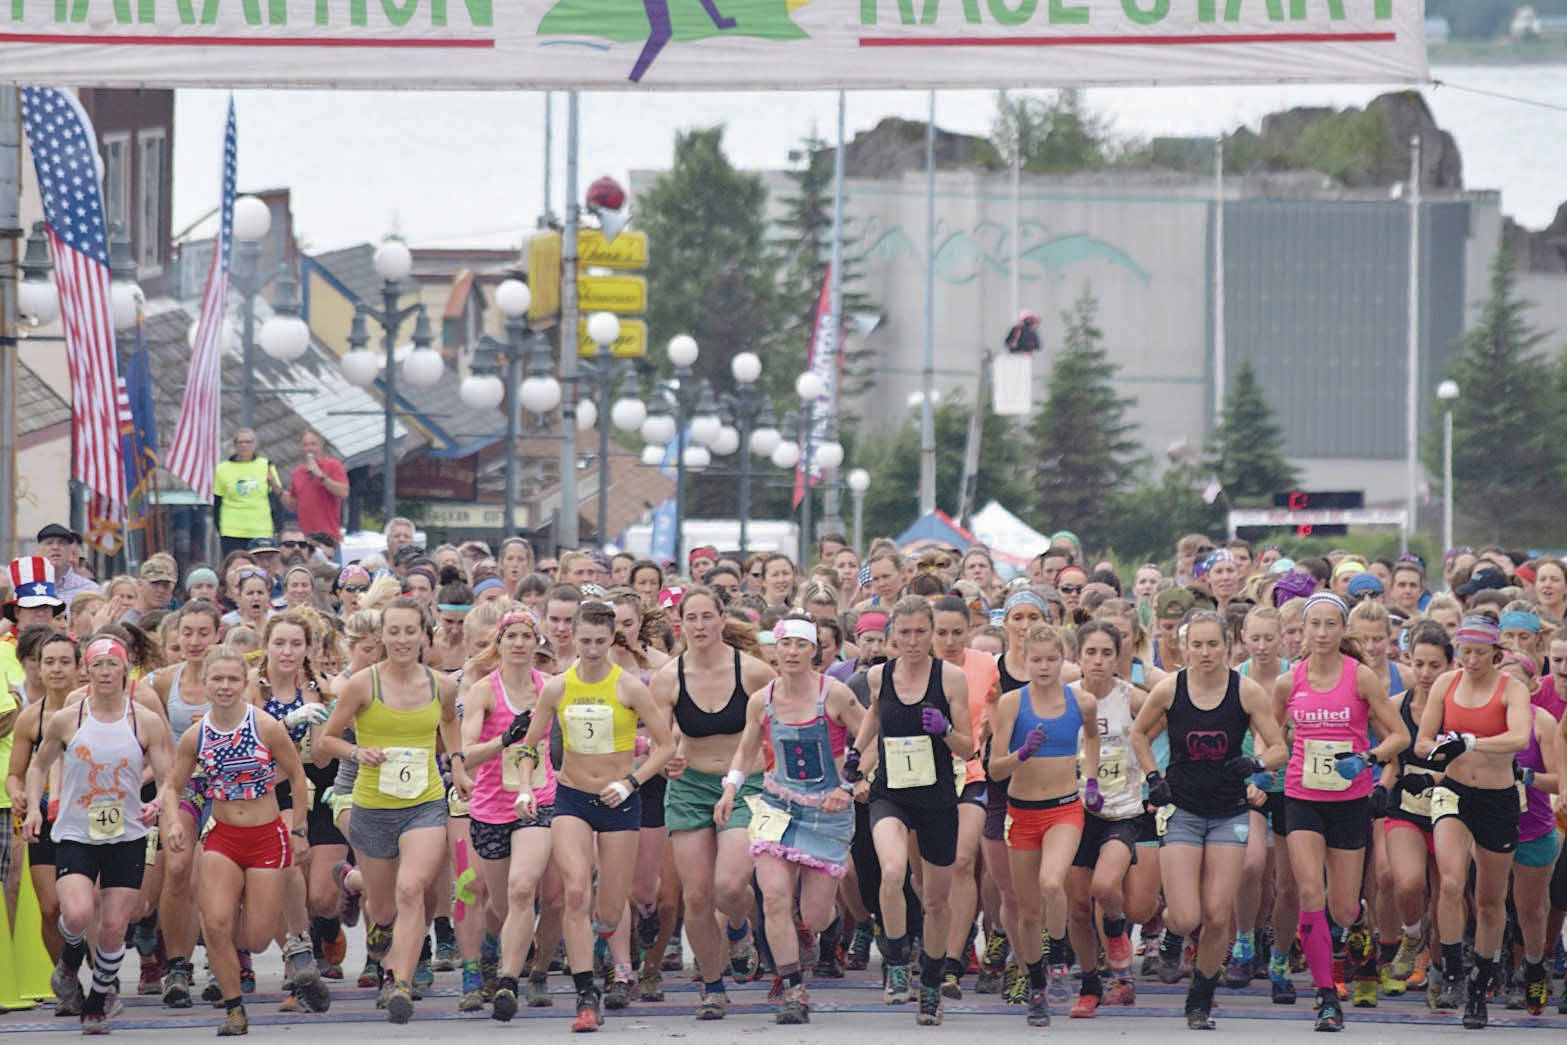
x=1172, y=604
x=1365, y=584
x=158, y=568
x=262, y=544
x=1482, y=580
x=670, y=597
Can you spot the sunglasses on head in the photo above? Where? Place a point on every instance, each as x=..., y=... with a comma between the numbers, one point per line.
x=246, y=574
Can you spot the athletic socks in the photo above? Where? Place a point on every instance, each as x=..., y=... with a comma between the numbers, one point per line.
x=897, y=950
x=1113, y=927
x=75, y=950
x=1316, y=942
x=1245, y=946
x=1170, y=945
x=583, y=981
x=1057, y=954
x=490, y=948
x=106, y=968
x=951, y=966
x=1452, y=961
x=1091, y=984
x=930, y=971
x=473, y=978
x=444, y=933
x=1036, y=975
x=1389, y=951
x=1200, y=994
x=790, y=975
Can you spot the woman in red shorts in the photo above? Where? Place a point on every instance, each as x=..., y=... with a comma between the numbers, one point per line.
x=247, y=848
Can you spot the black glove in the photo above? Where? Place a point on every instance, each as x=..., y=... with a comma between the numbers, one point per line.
x=1448, y=749
x=518, y=729
x=1415, y=783
x=1159, y=789
x=1242, y=767
x=1377, y=803
x=851, y=765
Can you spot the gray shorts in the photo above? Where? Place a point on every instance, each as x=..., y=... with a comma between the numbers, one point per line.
x=1185, y=828
x=377, y=833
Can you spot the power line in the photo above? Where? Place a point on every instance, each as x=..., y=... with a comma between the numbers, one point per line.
x=1536, y=102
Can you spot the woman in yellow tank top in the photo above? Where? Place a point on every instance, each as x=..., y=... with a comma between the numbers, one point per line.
x=597, y=790
x=398, y=708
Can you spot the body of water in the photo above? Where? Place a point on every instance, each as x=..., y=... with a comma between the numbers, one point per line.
x=467, y=168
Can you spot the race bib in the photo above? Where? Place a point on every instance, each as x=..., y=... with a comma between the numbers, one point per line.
x=455, y=806
x=1161, y=819
x=151, y=856
x=1444, y=802
x=1112, y=772
x=959, y=774
x=304, y=748
x=1523, y=797
x=406, y=772
x=1319, y=769
x=767, y=823
x=511, y=770
x=911, y=762
x=105, y=820
x=590, y=729
x=1416, y=804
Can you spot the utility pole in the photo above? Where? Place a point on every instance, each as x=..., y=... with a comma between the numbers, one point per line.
x=10, y=243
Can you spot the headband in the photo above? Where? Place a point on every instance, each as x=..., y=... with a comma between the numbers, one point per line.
x=1327, y=598
x=352, y=572
x=1520, y=620
x=453, y=607
x=795, y=629
x=870, y=620
x=1024, y=598
x=487, y=584
x=1521, y=658
x=1478, y=630
x=511, y=617
x=766, y=638
x=108, y=646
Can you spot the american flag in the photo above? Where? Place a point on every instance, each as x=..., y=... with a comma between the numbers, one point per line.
x=194, y=455
x=65, y=156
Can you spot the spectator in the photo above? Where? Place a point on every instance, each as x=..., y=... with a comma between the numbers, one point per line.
x=241, y=488
x=400, y=533
x=34, y=600
x=62, y=547
x=316, y=489
x=202, y=583
x=263, y=551
x=155, y=589
x=294, y=547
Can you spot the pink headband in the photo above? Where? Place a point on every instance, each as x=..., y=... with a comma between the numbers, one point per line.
x=511, y=617
x=107, y=646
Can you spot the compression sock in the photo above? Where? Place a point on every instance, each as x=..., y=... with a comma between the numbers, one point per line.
x=1170, y=945
x=75, y=950
x=930, y=970
x=1316, y=943
x=897, y=950
x=1113, y=927
x=790, y=975
x=106, y=968
x=1057, y=954
x=1036, y=975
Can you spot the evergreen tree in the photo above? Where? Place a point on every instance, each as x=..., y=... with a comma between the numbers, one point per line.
x=1503, y=450
x=1148, y=520
x=1084, y=447
x=1246, y=450
x=1053, y=134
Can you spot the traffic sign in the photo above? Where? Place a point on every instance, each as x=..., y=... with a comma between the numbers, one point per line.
x=544, y=276
x=631, y=342
x=621, y=294
x=628, y=251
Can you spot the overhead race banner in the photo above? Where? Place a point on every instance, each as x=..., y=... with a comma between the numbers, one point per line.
x=699, y=44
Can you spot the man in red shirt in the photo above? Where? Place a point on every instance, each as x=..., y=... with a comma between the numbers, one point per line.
x=317, y=488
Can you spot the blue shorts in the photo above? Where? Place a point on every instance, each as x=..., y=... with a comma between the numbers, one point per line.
x=1184, y=828
x=1540, y=852
x=601, y=818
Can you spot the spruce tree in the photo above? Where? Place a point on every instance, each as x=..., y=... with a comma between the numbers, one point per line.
x=1084, y=449
x=1246, y=450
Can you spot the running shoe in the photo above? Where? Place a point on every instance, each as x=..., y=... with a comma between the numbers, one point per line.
x=795, y=1006
x=674, y=958
x=828, y=967
x=1417, y=979
x=212, y=994
x=347, y=901
x=335, y=949
x=1038, y=1009
x=711, y=1005
x=370, y=976
x=400, y=1002
x=471, y=1000
x=151, y=980
x=1515, y=999
x=1364, y=993
x=504, y=1004
x=1282, y=987
x=537, y=993
x=1014, y=985
x=1122, y=992
x=1119, y=950
x=929, y=1014
x=1084, y=1007
x=235, y=1023
x=176, y=985
x=308, y=984
x=650, y=985
x=1171, y=969
x=1475, y=1016
x=329, y=971
x=1330, y=1012
x=1389, y=984
x=95, y=1023
x=1237, y=971
x=424, y=975
x=991, y=964
x=1403, y=964
x=67, y=986
x=589, y=1017
x=1447, y=995
x=1060, y=983
x=446, y=956
x=1199, y=1019
x=745, y=964
x=1536, y=993
x=951, y=987
x=896, y=989
x=618, y=994
x=859, y=952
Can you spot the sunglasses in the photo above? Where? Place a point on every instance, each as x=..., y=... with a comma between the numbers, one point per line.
x=357, y=589
x=756, y=574
x=293, y=544
x=1071, y=589
x=245, y=575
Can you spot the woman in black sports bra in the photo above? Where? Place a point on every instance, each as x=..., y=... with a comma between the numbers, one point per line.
x=707, y=690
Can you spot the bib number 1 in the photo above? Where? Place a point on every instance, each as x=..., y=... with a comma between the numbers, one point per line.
x=911, y=762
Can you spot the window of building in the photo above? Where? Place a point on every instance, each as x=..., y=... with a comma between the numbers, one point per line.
x=117, y=178
x=149, y=200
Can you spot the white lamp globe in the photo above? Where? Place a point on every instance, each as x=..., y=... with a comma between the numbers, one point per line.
x=513, y=297
x=423, y=368
x=764, y=441
x=360, y=367
x=829, y=455
x=697, y=457
x=628, y=414
x=682, y=350
x=658, y=428
x=705, y=429
x=653, y=455
x=540, y=394
x=809, y=387
x=482, y=392
x=728, y=441
x=746, y=367
x=587, y=415
x=916, y=400
x=1447, y=391
x=125, y=301
x=786, y=454
x=285, y=337
x=603, y=328
x=859, y=480
x=394, y=261
x=38, y=301
x=252, y=219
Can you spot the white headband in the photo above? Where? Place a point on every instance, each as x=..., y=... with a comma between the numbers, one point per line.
x=795, y=629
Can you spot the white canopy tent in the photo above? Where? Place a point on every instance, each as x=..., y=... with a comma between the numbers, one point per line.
x=1012, y=542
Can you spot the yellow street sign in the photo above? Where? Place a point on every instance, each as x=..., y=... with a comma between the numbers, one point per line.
x=621, y=294
x=631, y=342
x=628, y=251
x=544, y=275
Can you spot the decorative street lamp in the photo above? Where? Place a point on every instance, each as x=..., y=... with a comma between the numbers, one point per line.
x=749, y=419
x=1447, y=392
x=859, y=481
x=826, y=455
x=602, y=373
x=284, y=336
x=695, y=415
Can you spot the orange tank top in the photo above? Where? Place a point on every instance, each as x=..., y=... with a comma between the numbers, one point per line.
x=1487, y=720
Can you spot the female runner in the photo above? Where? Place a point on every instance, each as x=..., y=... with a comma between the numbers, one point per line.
x=1539, y=769
x=239, y=754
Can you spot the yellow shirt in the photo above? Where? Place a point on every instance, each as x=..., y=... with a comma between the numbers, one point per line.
x=409, y=776
x=596, y=722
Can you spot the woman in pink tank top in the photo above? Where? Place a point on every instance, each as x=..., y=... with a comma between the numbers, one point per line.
x=513, y=851
x=1326, y=702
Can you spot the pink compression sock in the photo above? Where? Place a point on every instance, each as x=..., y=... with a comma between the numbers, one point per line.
x=1316, y=941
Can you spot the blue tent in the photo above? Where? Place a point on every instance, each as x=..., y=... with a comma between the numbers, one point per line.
x=934, y=530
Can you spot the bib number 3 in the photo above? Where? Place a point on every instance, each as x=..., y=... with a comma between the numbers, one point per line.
x=590, y=729
x=406, y=772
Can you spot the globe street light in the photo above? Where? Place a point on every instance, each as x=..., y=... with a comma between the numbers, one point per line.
x=1447, y=392
x=36, y=298
x=602, y=373
x=859, y=481
x=751, y=415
